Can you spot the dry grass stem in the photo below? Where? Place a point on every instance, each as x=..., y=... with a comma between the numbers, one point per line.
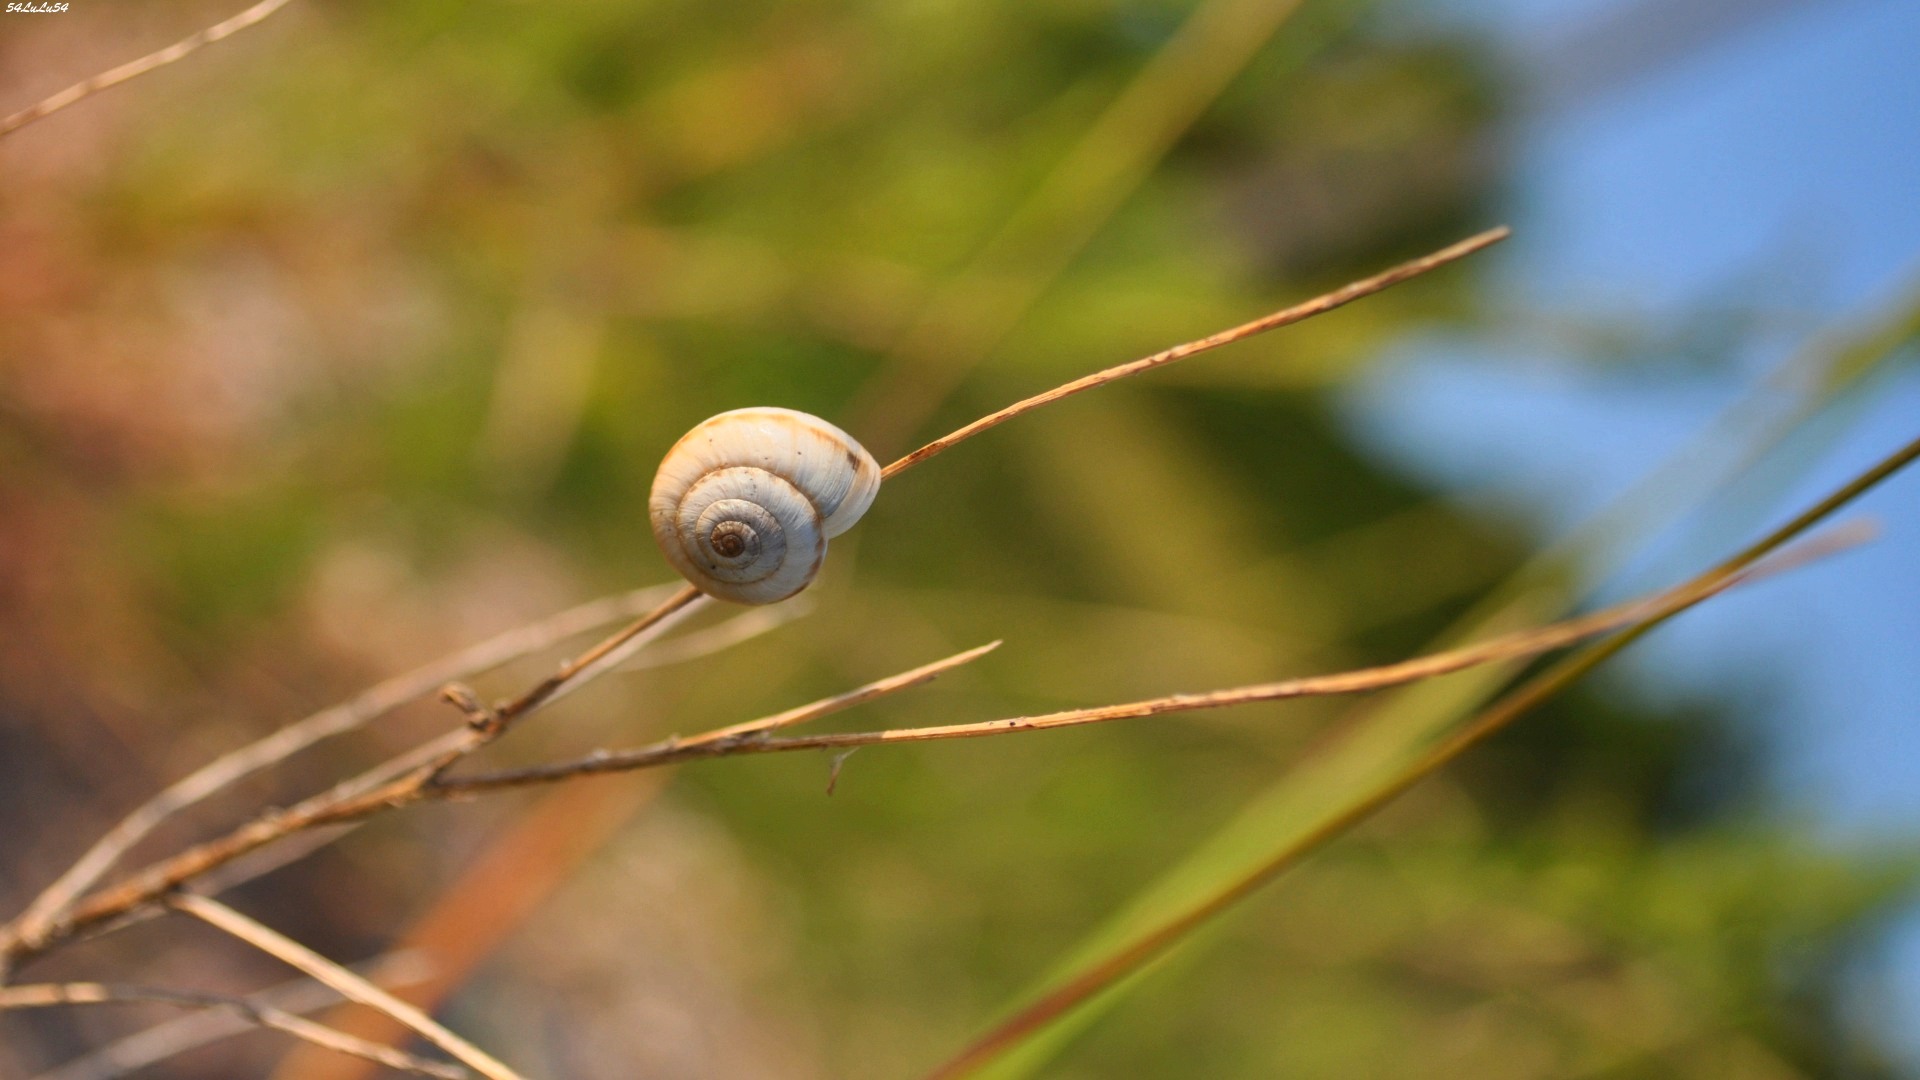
x=116, y=76
x=150, y=1046
x=498, y=894
x=588, y=664
x=825, y=707
x=40, y=995
x=1086, y=984
x=349, y=985
x=703, y=643
x=1319, y=305
x=378, y=701
x=751, y=737
x=391, y=783
x=959, y=325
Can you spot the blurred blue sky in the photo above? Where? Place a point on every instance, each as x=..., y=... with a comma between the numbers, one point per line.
x=1728, y=178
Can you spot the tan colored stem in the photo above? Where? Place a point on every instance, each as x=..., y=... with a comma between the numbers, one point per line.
x=1319, y=305
x=806, y=714
x=392, y=783
x=129, y=1054
x=349, y=985
x=750, y=738
x=116, y=76
x=223, y=772
x=41, y=995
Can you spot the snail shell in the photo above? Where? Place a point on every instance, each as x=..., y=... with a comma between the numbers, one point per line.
x=744, y=503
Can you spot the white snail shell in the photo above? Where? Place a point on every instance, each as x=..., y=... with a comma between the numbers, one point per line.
x=744, y=503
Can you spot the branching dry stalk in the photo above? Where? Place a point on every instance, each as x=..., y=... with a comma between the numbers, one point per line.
x=752, y=737
x=75, y=905
x=116, y=76
x=225, y=771
x=41, y=995
x=61, y=912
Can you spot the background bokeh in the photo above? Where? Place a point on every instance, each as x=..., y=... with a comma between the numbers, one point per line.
x=356, y=338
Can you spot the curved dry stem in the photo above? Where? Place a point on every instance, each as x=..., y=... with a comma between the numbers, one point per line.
x=1319, y=305
x=116, y=76
x=225, y=771
x=391, y=783
x=42, y=995
x=343, y=981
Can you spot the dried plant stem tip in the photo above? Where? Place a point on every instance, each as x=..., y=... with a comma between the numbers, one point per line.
x=136, y=68
x=1319, y=305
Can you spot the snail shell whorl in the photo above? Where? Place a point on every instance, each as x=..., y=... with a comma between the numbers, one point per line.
x=744, y=503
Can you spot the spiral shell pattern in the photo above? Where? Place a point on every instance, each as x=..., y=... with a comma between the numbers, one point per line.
x=744, y=504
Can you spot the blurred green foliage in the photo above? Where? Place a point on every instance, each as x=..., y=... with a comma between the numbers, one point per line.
x=366, y=334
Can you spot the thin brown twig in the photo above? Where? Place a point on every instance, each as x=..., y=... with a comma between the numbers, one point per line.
x=489, y=903
x=806, y=714
x=1317, y=306
x=751, y=738
x=42, y=995
x=349, y=985
x=392, y=783
x=151, y=1045
x=961, y=323
x=585, y=664
x=714, y=639
x=232, y=875
x=116, y=76
x=488, y=723
x=372, y=704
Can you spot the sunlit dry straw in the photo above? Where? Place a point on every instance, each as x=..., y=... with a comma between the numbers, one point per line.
x=960, y=324
x=301, y=996
x=343, y=981
x=41, y=995
x=139, y=67
x=1319, y=305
